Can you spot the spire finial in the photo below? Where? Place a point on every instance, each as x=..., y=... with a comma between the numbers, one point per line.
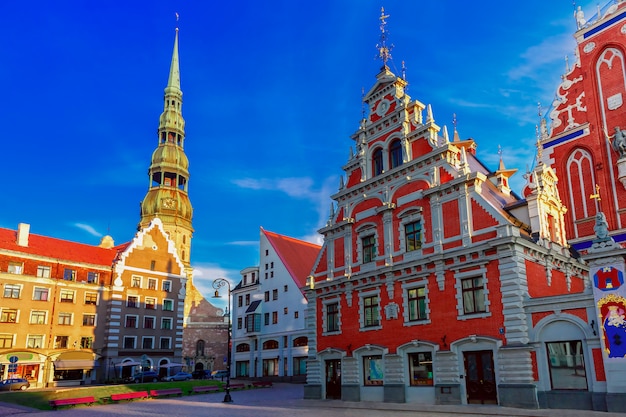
x=403, y=71
x=454, y=121
x=384, y=51
x=362, y=103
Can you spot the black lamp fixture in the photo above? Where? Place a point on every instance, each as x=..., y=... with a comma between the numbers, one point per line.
x=217, y=284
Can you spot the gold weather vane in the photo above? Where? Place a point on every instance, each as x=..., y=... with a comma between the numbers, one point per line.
x=384, y=51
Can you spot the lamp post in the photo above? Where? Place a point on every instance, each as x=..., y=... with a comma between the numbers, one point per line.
x=217, y=284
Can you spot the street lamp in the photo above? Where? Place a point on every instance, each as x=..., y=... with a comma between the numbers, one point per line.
x=217, y=284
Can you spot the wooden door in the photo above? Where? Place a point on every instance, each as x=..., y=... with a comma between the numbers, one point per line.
x=333, y=379
x=480, y=379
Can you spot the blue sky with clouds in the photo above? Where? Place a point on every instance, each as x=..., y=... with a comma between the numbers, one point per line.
x=272, y=93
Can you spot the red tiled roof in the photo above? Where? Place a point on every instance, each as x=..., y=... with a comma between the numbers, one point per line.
x=298, y=256
x=59, y=249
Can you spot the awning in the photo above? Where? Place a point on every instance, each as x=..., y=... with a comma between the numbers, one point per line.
x=171, y=365
x=253, y=306
x=75, y=364
x=128, y=363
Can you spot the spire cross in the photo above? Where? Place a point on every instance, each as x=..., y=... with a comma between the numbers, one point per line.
x=384, y=51
x=177, y=18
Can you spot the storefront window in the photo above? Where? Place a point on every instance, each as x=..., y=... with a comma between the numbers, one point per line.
x=567, y=365
x=373, y=370
x=421, y=369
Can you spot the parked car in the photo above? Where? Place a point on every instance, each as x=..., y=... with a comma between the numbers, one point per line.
x=146, y=376
x=14, y=384
x=201, y=374
x=180, y=376
x=219, y=374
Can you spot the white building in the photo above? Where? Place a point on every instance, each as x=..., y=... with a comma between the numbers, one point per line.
x=269, y=336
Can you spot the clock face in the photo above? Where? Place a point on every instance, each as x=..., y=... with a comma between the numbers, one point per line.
x=168, y=203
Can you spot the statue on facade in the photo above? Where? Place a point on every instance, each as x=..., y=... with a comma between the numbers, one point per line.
x=619, y=142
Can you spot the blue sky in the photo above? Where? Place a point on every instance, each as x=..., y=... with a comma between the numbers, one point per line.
x=272, y=93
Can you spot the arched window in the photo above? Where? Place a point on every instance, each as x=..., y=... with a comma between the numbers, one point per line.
x=377, y=162
x=270, y=344
x=243, y=347
x=395, y=154
x=580, y=179
x=300, y=341
x=200, y=348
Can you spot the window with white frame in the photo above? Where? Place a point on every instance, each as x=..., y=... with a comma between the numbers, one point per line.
x=15, y=267
x=131, y=321
x=43, y=271
x=152, y=284
x=472, y=294
x=132, y=301
x=420, y=369
x=89, y=319
x=86, y=342
x=377, y=162
x=69, y=274
x=368, y=248
x=66, y=296
x=149, y=322
x=91, y=298
x=92, y=277
x=395, y=154
x=150, y=303
x=12, y=291
x=168, y=305
x=410, y=229
x=65, y=319
x=147, y=342
x=366, y=244
x=6, y=340
x=41, y=293
x=416, y=303
x=129, y=342
x=135, y=281
x=371, y=311
x=61, y=342
x=165, y=342
x=38, y=317
x=331, y=317
x=34, y=341
x=8, y=315
x=167, y=286
x=166, y=323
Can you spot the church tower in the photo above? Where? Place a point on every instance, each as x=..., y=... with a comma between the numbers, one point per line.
x=167, y=196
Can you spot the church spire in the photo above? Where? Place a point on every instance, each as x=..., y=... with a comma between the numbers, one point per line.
x=167, y=197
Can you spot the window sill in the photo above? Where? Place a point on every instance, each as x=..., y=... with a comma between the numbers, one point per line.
x=474, y=316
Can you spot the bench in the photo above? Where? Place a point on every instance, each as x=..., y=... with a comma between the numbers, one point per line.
x=236, y=386
x=261, y=384
x=129, y=396
x=166, y=392
x=204, y=388
x=71, y=401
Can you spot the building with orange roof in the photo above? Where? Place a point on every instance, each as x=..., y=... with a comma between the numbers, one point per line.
x=270, y=340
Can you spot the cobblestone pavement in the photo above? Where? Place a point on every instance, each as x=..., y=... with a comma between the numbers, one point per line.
x=283, y=400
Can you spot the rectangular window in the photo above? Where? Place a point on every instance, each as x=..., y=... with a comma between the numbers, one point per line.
x=86, y=342
x=285, y=288
x=147, y=342
x=332, y=317
x=253, y=323
x=34, y=341
x=91, y=298
x=165, y=343
x=286, y=310
x=8, y=315
x=247, y=299
x=15, y=268
x=167, y=286
x=92, y=277
x=567, y=365
x=60, y=342
x=370, y=311
x=274, y=317
x=37, y=317
x=89, y=319
x=417, y=303
x=40, y=294
x=239, y=301
x=373, y=370
x=150, y=303
x=274, y=294
x=239, y=323
x=299, y=365
x=66, y=296
x=148, y=322
x=135, y=281
x=152, y=265
x=266, y=319
x=270, y=367
x=168, y=305
x=369, y=248
x=473, y=295
x=69, y=274
x=65, y=319
x=166, y=323
x=152, y=284
x=12, y=291
x=267, y=296
x=295, y=314
x=133, y=301
x=413, y=236
x=129, y=342
x=43, y=271
x=6, y=341
x=131, y=321
x=421, y=369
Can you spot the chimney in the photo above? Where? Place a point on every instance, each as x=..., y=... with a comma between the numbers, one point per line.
x=22, y=234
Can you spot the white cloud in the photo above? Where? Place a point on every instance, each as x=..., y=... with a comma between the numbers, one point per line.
x=242, y=243
x=89, y=229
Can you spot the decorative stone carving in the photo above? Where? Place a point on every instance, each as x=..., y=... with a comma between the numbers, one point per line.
x=391, y=311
